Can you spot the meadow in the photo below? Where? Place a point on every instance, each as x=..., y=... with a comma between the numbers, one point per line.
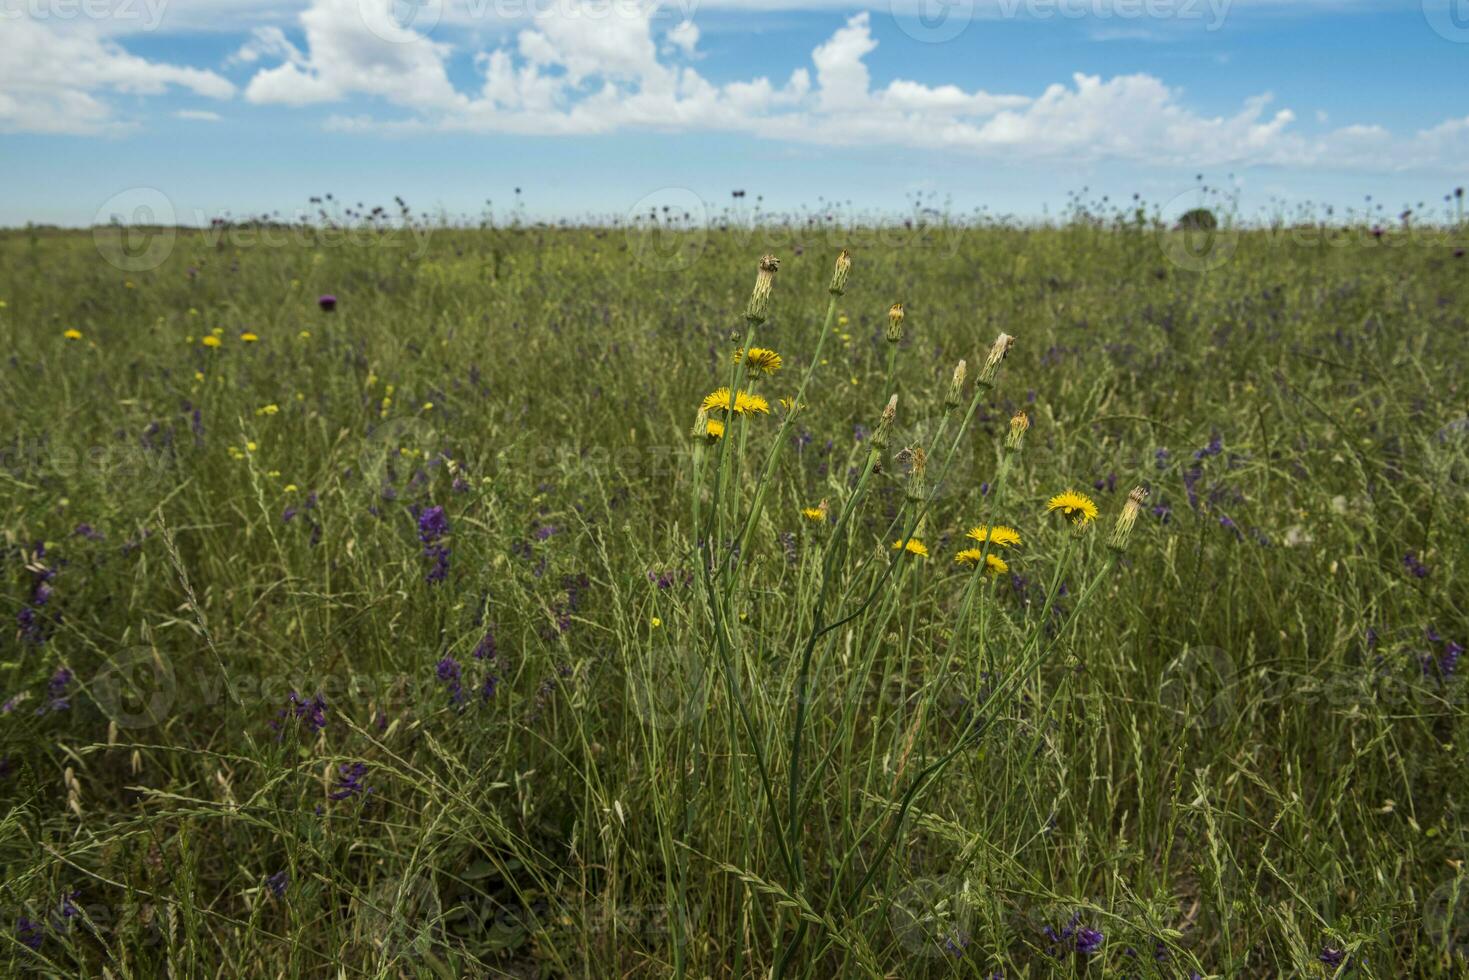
x=384, y=604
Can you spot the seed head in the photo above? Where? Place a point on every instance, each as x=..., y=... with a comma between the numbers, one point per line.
x=997, y=354
x=895, y=323
x=759, y=307
x=1019, y=422
x=956, y=386
x=885, y=426
x=1122, y=530
x=916, y=460
x=839, y=274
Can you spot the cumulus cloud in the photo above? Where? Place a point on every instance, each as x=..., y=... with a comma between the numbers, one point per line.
x=53, y=79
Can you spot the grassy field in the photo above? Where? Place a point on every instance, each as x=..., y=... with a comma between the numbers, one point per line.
x=417, y=637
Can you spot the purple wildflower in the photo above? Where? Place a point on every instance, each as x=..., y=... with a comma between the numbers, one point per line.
x=1415, y=567
x=89, y=532
x=277, y=884
x=449, y=673
x=30, y=933
x=1331, y=956
x=1088, y=941
x=56, y=692
x=312, y=713
x=350, y=782
x=327, y=302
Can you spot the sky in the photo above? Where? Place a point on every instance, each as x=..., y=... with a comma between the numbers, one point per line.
x=188, y=110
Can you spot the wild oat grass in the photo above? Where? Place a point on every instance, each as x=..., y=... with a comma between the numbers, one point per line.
x=377, y=612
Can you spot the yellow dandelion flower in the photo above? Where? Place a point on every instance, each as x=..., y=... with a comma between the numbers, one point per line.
x=760, y=359
x=267, y=409
x=819, y=513
x=993, y=564
x=73, y=334
x=248, y=337
x=713, y=429
x=212, y=341
x=915, y=547
x=251, y=446
x=1001, y=535
x=744, y=402
x=656, y=622
x=289, y=488
x=1077, y=508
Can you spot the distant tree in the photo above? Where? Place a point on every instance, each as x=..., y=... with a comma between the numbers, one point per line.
x=1198, y=219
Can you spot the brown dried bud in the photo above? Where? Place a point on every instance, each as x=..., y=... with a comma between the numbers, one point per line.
x=895, y=323
x=839, y=274
x=997, y=354
x=759, y=307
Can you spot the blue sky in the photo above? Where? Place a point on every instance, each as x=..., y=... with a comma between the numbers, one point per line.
x=605, y=106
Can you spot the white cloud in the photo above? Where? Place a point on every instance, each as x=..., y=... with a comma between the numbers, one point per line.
x=53, y=79
x=198, y=115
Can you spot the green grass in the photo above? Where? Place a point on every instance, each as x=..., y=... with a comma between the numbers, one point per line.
x=1232, y=752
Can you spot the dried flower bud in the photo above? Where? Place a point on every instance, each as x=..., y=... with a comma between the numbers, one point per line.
x=956, y=386
x=839, y=274
x=895, y=323
x=1019, y=422
x=885, y=426
x=701, y=423
x=916, y=460
x=759, y=307
x=997, y=354
x=1122, y=530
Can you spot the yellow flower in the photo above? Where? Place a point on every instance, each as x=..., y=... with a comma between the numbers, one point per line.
x=428, y=406
x=198, y=375
x=714, y=429
x=819, y=513
x=251, y=446
x=212, y=341
x=994, y=564
x=760, y=359
x=267, y=409
x=304, y=335
x=915, y=547
x=656, y=622
x=842, y=320
x=1001, y=535
x=248, y=337
x=744, y=402
x=289, y=488
x=73, y=334
x=218, y=331
x=1075, y=507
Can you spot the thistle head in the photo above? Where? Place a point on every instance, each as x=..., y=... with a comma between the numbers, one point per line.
x=1122, y=530
x=955, y=397
x=1019, y=423
x=997, y=353
x=759, y=308
x=839, y=274
x=895, y=323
